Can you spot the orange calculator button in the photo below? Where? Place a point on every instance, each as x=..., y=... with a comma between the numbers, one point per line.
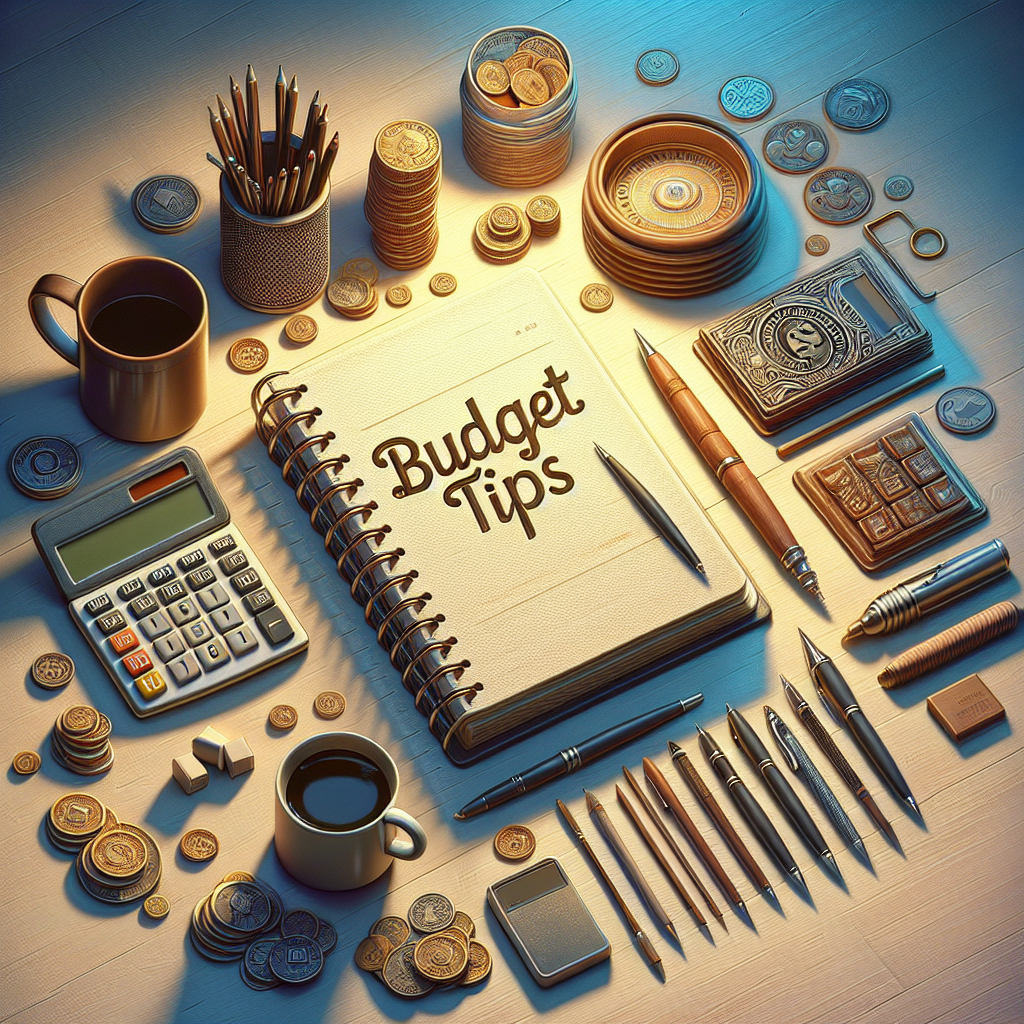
x=137, y=662
x=151, y=685
x=124, y=641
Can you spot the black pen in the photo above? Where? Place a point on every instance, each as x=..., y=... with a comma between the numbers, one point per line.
x=834, y=688
x=573, y=758
x=652, y=509
x=751, y=810
x=785, y=796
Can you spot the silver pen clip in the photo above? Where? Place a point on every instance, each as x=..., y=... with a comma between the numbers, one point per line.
x=780, y=731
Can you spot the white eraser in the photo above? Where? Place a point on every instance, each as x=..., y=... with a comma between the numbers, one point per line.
x=189, y=773
x=238, y=757
x=208, y=746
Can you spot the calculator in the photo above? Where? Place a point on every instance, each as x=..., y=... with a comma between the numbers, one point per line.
x=168, y=593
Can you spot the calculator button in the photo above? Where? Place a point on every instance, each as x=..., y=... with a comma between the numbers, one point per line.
x=212, y=655
x=172, y=592
x=169, y=647
x=235, y=562
x=111, y=622
x=98, y=604
x=131, y=589
x=184, y=669
x=258, y=600
x=274, y=626
x=222, y=545
x=197, y=633
x=143, y=606
x=241, y=641
x=201, y=578
x=212, y=597
x=246, y=581
x=154, y=626
x=161, y=575
x=124, y=641
x=151, y=685
x=137, y=662
x=183, y=611
x=226, y=618
x=191, y=560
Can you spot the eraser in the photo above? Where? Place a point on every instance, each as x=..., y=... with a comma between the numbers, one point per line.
x=208, y=746
x=189, y=772
x=238, y=757
x=966, y=707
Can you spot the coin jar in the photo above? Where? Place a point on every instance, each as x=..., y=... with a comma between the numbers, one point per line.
x=517, y=147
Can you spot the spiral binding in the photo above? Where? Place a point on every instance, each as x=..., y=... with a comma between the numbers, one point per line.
x=404, y=626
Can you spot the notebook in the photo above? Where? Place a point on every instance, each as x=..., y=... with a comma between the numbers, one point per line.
x=450, y=465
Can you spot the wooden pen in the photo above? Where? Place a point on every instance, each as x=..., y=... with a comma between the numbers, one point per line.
x=255, y=131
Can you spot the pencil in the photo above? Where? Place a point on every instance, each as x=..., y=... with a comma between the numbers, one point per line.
x=255, y=131
x=323, y=172
x=280, y=89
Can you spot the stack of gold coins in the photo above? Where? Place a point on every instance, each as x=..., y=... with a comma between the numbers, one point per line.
x=502, y=234
x=354, y=297
x=75, y=819
x=401, y=193
x=120, y=865
x=518, y=97
x=81, y=740
x=545, y=215
x=674, y=205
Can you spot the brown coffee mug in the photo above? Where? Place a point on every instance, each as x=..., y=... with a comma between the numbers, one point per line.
x=143, y=344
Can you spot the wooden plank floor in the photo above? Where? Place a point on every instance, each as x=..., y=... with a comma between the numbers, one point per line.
x=94, y=97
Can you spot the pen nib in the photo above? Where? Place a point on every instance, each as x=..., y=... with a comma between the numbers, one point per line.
x=700, y=568
x=601, y=451
x=812, y=655
x=830, y=862
x=645, y=346
x=913, y=806
x=854, y=631
x=797, y=881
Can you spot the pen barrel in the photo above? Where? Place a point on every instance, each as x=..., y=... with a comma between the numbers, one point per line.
x=765, y=831
x=793, y=808
x=830, y=750
x=872, y=745
x=590, y=749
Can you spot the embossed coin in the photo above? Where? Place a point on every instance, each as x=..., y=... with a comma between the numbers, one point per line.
x=657, y=67
x=431, y=913
x=296, y=959
x=544, y=215
x=530, y=87
x=464, y=922
x=120, y=894
x=45, y=467
x=519, y=60
x=238, y=876
x=504, y=219
x=52, y=671
x=156, y=907
x=372, y=952
x=554, y=72
x=899, y=186
x=542, y=46
x=166, y=203
x=199, y=844
x=596, y=298
x=492, y=77
x=79, y=719
x=394, y=929
x=301, y=329
x=398, y=295
x=795, y=147
x=329, y=704
x=348, y=293
x=856, y=104
x=816, y=245
x=443, y=284
x=837, y=195
x=400, y=974
x=515, y=842
x=479, y=964
x=746, y=98
x=300, y=922
x=119, y=854
x=245, y=907
x=248, y=355
x=440, y=958
x=77, y=814
x=326, y=936
x=965, y=410
x=361, y=266
x=283, y=716
x=26, y=762
x=256, y=964
x=407, y=145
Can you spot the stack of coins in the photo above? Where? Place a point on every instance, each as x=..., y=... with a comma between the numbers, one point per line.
x=353, y=297
x=518, y=97
x=545, y=215
x=75, y=819
x=438, y=950
x=502, y=234
x=120, y=865
x=401, y=193
x=81, y=740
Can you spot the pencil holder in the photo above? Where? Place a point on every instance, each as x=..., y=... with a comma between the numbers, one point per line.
x=275, y=264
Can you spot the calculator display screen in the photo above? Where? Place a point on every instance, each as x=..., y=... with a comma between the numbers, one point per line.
x=134, y=532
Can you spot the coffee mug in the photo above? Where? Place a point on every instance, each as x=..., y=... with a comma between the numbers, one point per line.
x=335, y=820
x=142, y=348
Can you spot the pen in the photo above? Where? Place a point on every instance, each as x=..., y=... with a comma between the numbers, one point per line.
x=751, y=810
x=573, y=758
x=828, y=747
x=833, y=687
x=645, y=944
x=750, y=743
x=652, y=509
x=799, y=761
x=626, y=859
x=730, y=469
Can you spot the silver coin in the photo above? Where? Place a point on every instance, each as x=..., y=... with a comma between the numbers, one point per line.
x=242, y=907
x=965, y=410
x=256, y=963
x=296, y=959
x=326, y=937
x=899, y=186
x=45, y=467
x=856, y=104
x=838, y=195
x=657, y=67
x=746, y=98
x=300, y=922
x=166, y=203
x=795, y=146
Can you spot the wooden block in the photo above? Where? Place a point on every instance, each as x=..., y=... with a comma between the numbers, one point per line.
x=209, y=745
x=189, y=772
x=238, y=757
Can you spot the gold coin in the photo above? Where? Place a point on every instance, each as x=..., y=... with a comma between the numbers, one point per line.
x=398, y=295
x=440, y=957
x=394, y=929
x=544, y=214
x=301, y=329
x=238, y=876
x=443, y=284
x=596, y=298
x=542, y=46
x=361, y=266
x=283, y=716
x=407, y=146
x=515, y=842
x=458, y=934
x=77, y=814
x=816, y=245
x=52, y=671
x=479, y=964
x=432, y=912
x=329, y=704
x=530, y=87
x=157, y=907
x=554, y=72
x=26, y=762
x=492, y=77
x=372, y=952
x=118, y=853
x=400, y=974
x=248, y=355
x=504, y=220
x=79, y=720
x=518, y=61
x=350, y=293
x=464, y=923
x=199, y=844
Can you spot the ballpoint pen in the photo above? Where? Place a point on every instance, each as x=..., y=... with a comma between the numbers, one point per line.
x=722, y=823
x=799, y=761
x=750, y=743
x=834, y=688
x=626, y=859
x=646, y=946
x=751, y=810
x=828, y=747
x=573, y=758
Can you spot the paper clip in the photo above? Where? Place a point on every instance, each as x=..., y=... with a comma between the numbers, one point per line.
x=916, y=234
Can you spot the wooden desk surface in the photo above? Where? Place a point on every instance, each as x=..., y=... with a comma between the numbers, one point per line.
x=98, y=96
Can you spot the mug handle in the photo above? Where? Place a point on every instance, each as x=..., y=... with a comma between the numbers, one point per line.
x=54, y=286
x=405, y=849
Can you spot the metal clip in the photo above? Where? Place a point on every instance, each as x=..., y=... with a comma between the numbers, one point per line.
x=916, y=234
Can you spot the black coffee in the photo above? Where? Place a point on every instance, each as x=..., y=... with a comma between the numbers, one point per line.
x=337, y=790
x=142, y=325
